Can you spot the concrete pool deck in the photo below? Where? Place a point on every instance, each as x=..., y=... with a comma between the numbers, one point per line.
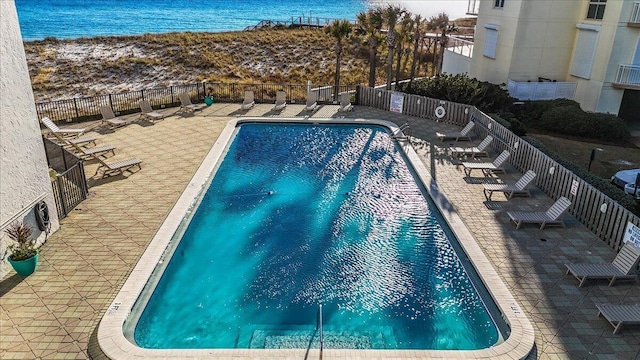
x=54, y=313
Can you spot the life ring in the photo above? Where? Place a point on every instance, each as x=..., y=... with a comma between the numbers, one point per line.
x=41, y=211
x=440, y=112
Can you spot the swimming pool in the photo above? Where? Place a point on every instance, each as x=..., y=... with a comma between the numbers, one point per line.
x=325, y=214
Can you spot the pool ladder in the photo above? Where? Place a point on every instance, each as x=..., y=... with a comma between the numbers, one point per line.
x=398, y=134
x=319, y=326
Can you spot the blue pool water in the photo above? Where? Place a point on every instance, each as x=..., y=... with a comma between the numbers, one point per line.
x=297, y=215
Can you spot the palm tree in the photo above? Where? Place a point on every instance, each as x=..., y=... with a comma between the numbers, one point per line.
x=340, y=30
x=418, y=31
x=369, y=25
x=391, y=14
x=439, y=23
x=402, y=38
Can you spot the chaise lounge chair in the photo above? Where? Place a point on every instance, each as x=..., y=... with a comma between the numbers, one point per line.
x=617, y=315
x=481, y=150
x=544, y=218
x=146, y=111
x=110, y=118
x=519, y=188
x=487, y=167
x=463, y=134
x=345, y=102
x=248, y=101
x=281, y=101
x=312, y=104
x=72, y=135
x=623, y=267
x=118, y=167
x=187, y=106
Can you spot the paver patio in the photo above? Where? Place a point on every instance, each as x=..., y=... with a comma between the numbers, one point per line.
x=54, y=312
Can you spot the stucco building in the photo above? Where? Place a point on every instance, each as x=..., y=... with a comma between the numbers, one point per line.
x=24, y=177
x=587, y=50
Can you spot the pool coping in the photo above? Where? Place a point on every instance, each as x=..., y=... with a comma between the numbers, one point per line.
x=115, y=345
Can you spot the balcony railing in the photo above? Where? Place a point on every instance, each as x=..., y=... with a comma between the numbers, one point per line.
x=472, y=7
x=460, y=46
x=635, y=15
x=628, y=76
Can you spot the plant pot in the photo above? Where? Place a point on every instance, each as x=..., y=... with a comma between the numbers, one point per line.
x=25, y=267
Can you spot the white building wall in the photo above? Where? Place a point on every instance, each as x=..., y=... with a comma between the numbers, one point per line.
x=24, y=176
x=455, y=63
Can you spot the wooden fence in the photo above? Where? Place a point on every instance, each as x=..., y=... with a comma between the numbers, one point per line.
x=70, y=185
x=88, y=108
x=599, y=213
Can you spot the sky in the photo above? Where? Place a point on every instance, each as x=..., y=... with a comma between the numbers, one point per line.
x=427, y=8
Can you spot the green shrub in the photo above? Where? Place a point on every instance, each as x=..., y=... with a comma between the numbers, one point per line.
x=509, y=121
x=531, y=111
x=461, y=89
x=599, y=183
x=571, y=120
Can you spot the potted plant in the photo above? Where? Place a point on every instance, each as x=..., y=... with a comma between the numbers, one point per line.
x=24, y=254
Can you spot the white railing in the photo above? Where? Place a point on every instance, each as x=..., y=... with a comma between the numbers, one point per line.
x=460, y=46
x=541, y=90
x=635, y=13
x=628, y=75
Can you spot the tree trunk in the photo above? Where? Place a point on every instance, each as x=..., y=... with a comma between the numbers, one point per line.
x=373, y=57
x=443, y=45
x=415, y=61
x=398, y=62
x=391, y=42
x=337, y=79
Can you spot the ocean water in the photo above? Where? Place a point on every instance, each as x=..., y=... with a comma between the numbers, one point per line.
x=87, y=18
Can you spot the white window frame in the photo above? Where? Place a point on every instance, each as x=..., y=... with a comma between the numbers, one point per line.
x=596, y=5
x=490, y=41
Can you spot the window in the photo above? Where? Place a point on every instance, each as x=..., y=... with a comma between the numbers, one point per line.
x=498, y=4
x=596, y=9
x=585, y=50
x=490, y=41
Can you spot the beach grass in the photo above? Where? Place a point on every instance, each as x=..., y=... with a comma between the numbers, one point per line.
x=99, y=65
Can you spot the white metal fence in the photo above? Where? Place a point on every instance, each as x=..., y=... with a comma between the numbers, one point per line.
x=628, y=75
x=541, y=90
x=598, y=212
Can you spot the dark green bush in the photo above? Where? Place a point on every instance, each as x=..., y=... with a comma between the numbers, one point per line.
x=599, y=183
x=570, y=120
x=461, y=89
x=509, y=121
x=531, y=111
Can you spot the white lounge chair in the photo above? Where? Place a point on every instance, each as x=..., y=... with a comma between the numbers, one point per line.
x=187, y=106
x=481, y=150
x=110, y=118
x=617, y=315
x=118, y=167
x=345, y=102
x=248, y=101
x=65, y=136
x=544, y=218
x=519, y=188
x=623, y=267
x=463, y=134
x=487, y=168
x=147, y=112
x=281, y=101
x=312, y=104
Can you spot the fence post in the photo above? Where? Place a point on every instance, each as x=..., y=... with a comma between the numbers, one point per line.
x=61, y=192
x=357, y=99
x=197, y=91
x=142, y=94
x=110, y=103
x=85, y=189
x=171, y=90
x=75, y=105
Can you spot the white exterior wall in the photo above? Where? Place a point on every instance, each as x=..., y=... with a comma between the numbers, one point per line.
x=24, y=176
x=454, y=64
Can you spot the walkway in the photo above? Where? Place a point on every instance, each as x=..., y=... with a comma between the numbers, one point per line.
x=54, y=312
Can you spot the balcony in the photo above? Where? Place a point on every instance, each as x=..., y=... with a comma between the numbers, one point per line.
x=634, y=20
x=627, y=77
x=472, y=7
x=460, y=45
